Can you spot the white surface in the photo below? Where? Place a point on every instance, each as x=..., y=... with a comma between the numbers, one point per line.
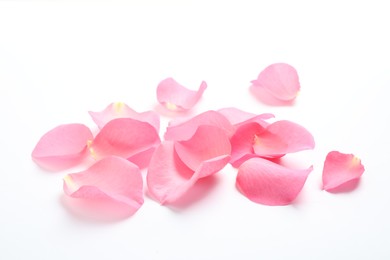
x=59, y=60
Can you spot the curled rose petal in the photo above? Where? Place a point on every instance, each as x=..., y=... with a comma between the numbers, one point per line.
x=121, y=110
x=111, y=178
x=268, y=183
x=176, y=97
x=279, y=80
x=340, y=168
x=176, y=166
x=237, y=117
x=124, y=137
x=185, y=130
x=62, y=147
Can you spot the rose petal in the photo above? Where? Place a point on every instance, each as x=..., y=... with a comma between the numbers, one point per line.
x=176, y=97
x=207, y=143
x=121, y=110
x=169, y=179
x=282, y=137
x=185, y=130
x=62, y=147
x=268, y=183
x=124, y=137
x=110, y=178
x=280, y=80
x=237, y=117
x=340, y=168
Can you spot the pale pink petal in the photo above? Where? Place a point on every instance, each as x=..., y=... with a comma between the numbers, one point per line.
x=62, y=147
x=242, y=142
x=340, y=168
x=282, y=137
x=124, y=137
x=185, y=130
x=280, y=80
x=268, y=183
x=169, y=179
x=176, y=97
x=237, y=117
x=207, y=143
x=112, y=177
x=121, y=110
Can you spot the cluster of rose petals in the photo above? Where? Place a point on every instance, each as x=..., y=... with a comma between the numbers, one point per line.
x=191, y=149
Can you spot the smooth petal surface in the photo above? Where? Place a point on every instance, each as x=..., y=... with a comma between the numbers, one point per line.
x=185, y=130
x=169, y=179
x=237, y=117
x=268, y=183
x=280, y=80
x=282, y=137
x=176, y=97
x=207, y=143
x=124, y=137
x=340, y=168
x=62, y=147
x=113, y=178
x=121, y=110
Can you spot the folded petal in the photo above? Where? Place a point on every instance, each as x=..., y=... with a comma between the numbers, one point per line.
x=340, y=168
x=121, y=110
x=185, y=130
x=282, y=137
x=268, y=183
x=169, y=179
x=62, y=147
x=111, y=178
x=237, y=117
x=280, y=80
x=176, y=97
x=124, y=137
x=207, y=143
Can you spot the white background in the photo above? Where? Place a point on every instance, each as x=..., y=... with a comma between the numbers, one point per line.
x=60, y=59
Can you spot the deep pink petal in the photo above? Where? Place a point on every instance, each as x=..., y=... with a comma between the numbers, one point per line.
x=242, y=142
x=282, y=137
x=207, y=143
x=124, y=137
x=176, y=97
x=185, y=130
x=121, y=110
x=62, y=147
x=280, y=80
x=169, y=179
x=113, y=178
x=268, y=183
x=340, y=168
x=237, y=117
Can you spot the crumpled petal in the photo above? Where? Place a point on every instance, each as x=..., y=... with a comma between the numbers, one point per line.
x=111, y=178
x=185, y=130
x=268, y=183
x=124, y=137
x=340, y=168
x=121, y=110
x=62, y=147
x=237, y=117
x=280, y=80
x=176, y=166
x=176, y=97
x=282, y=137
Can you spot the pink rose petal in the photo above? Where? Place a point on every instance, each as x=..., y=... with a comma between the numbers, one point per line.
x=62, y=147
x=340, y=168
x=111, y=178
x=237, y=117
x=185, y=130
x=175, y=167
x=121, y=110
x=175, y=97
x=282, y=137
x=124, y=137
x=280, y=80
x=268, y=183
